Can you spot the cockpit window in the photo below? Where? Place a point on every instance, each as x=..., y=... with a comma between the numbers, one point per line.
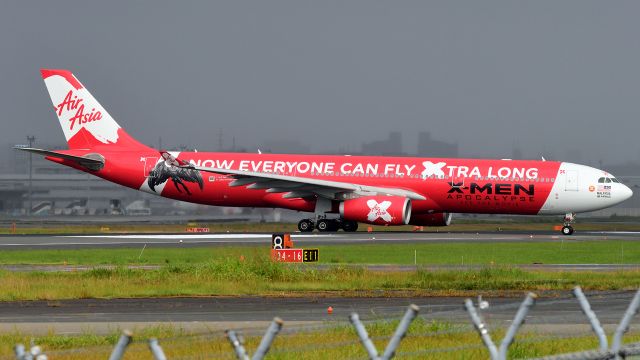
x=607, y=180
x=615, y=180
x=601, y=180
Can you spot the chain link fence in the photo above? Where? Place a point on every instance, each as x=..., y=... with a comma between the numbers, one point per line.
x=236, y=348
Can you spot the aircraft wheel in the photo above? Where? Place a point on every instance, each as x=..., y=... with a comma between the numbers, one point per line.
x=323, y=225
x=350, y=226
x=567, y=230
x=305, y=225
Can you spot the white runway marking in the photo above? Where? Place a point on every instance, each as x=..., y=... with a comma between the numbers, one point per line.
x=614, y=232
x=112, y=243
x=187, y=236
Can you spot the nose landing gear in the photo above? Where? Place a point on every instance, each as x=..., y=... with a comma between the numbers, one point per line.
x=567, y=229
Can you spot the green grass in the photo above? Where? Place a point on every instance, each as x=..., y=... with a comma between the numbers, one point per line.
x=453, y=253
x=425, y=340
x=52, y=228
x=247, y=270
x=482, y=253
x=260, y=276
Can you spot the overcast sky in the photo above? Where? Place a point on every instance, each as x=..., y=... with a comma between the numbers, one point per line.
x=553, y=77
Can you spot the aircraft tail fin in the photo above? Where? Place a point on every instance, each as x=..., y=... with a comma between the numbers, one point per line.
x=85, y=123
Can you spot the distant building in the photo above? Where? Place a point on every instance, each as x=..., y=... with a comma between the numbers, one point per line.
x=392, y=146
x=429, y=147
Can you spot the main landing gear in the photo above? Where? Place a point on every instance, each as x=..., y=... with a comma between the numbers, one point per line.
x=327, y=225
x=305, y=225
x=567, y=229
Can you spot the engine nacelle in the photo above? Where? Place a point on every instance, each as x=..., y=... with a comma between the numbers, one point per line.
x=377, y=210
x=435, y=219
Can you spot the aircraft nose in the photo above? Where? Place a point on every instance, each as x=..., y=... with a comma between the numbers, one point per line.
x=626, y=193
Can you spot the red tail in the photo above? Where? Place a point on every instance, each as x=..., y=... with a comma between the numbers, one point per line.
x=85, y=123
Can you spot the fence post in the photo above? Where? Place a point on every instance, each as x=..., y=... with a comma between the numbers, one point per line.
x=515, y=325
x=593, y=319
x=482, y=329
x=401, y=331
x=156, y=350
x=364, y=337
x=20, y=352
x=121, y=346
x=268, y=338
x=35, y=353
x=624, y=324
x=236, y=342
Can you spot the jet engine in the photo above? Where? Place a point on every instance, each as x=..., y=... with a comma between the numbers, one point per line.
x=377, y=210
x=434, y=219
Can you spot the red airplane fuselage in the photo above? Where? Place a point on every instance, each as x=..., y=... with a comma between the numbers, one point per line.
x=371, y=189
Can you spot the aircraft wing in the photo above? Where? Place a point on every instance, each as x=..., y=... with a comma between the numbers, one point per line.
x=93, y=163
x=300, y=187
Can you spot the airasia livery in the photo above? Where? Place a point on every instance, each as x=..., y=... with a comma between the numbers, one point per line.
x=340, y=190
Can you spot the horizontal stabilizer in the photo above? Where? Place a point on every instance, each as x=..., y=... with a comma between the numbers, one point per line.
x=90, y=161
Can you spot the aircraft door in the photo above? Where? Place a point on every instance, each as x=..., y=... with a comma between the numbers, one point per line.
x=571, y=180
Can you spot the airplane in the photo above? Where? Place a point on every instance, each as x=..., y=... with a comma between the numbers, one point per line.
x=340, y=190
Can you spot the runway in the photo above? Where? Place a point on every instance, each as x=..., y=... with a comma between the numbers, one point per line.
x=8, y=242
x=560, y=314
x=555, y=312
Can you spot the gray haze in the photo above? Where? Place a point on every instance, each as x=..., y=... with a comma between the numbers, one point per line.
x=560, y=78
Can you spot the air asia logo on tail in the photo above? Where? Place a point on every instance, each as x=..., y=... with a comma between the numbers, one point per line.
x=379, y=211
x=72, y=103
x=84, y=121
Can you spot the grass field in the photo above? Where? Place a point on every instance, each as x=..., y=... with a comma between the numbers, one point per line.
x=425, y=340
x=242, y=270
x=508, y=253
x=260, y=276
